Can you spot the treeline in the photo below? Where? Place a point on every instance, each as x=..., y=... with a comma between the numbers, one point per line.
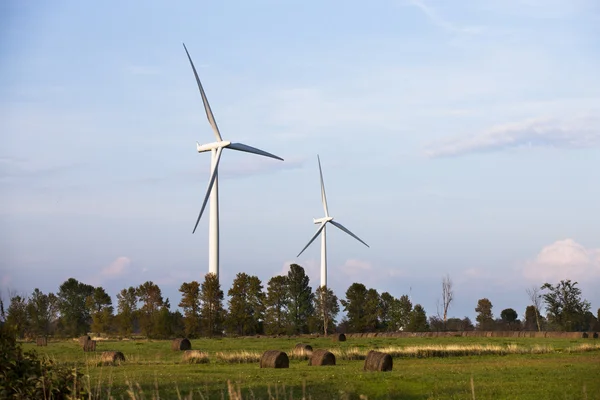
x=287, y=305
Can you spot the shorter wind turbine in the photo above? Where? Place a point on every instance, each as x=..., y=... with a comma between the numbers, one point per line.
x=323, y=222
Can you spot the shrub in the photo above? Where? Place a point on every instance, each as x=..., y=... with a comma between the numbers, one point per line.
x=25, y=376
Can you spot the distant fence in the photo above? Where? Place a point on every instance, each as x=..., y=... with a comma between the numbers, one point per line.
x=502, y=334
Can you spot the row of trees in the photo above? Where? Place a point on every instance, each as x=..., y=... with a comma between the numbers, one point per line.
x=287, y=306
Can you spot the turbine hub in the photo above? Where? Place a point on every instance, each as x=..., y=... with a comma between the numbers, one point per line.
x=321, y=220
x=212, y=146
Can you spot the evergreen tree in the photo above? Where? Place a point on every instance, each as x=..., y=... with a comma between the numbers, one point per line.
x=127, y=301
x=100, y=308
x=326, y=309
x=213, y=314
x=42, y=310
x=16, y=315
x=354, y=305
x=276, y=306
x=372, y=306
x=190, y=304
x=151, y=297
x=485, y=317
x=246, y=305
x=418, y=320
x=300, y=303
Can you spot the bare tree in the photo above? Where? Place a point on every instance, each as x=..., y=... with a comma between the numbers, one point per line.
x=447, y=297
x=536, y=300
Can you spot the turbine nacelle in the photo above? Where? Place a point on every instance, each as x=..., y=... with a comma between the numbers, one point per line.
x=322, y=220
x=212, y=146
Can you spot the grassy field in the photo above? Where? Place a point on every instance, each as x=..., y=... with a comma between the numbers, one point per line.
x=424, y=368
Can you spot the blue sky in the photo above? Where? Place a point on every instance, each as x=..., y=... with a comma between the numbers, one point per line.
x=458, y=139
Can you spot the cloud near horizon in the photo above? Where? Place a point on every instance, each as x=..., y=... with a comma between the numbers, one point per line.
x=582, y=132
x=561, y=260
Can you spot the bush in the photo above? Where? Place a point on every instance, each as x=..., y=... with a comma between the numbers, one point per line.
x=25, y=376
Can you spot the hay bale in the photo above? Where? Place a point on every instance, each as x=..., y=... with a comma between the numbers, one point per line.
x=321, y=357
x=378, y=361
x=41, y=341
x=339, y=337
x=181, y=344
x=112, y=357
x=302, y=351
x=195, y=357
x=84, y=339
x=90, y=345
x=274, y=359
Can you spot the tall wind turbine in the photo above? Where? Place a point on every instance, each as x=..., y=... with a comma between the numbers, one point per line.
x=212, y=191
x=322, y=230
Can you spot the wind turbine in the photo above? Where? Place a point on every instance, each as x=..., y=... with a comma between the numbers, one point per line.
x=322, y=230
x=216, y=148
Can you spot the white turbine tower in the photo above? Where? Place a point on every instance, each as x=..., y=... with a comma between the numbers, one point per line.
x=212, y=191
x=322, y=230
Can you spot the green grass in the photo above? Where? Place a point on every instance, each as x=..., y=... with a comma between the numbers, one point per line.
x=424, y=368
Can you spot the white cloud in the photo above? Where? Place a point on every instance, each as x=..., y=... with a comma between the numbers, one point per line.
x=581, y=132
x=116, y=268
x=564, y=259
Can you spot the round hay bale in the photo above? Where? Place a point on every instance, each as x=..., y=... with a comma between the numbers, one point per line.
x=84, y=339
x=378, y=361
x=303, y=346
x=321, y=357
x=195, y=357
x=274, y=359
x=339, y=337
x=181, y=344
x=90, y=345
x=112, y=357
x=41, y=341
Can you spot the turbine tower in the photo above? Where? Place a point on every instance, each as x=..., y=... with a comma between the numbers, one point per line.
x=212, y=191
x=322, y=230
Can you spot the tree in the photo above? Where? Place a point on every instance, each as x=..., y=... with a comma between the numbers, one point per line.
x=327, y=307
x=213, y=314
x=566, y=309
x=190, y=304
x=74, y=314
x=372, y=307
x=151, y=297
x=300, y=303
x=447, y=297
x=485, y=317
x=386, y=305
x=246, y=305
x=536, y=300
x=276, y=305
x=400, y=313
x=127, y=300
x=418, y=320
x=16, y=315
x=42, y=310
x=354, y=305
x=100, y=308
x=509, y=318
x=533, y=319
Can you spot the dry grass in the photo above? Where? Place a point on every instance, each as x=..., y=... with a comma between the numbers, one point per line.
x=195, y=357
x=301, y=352
x=354, y=353
x=238, y=357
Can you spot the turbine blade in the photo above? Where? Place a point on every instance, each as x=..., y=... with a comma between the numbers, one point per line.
x=209, y=113
x=313, y=238
x=250, y=149
x=323, y=197
x=211, y=182
x=342, y=227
